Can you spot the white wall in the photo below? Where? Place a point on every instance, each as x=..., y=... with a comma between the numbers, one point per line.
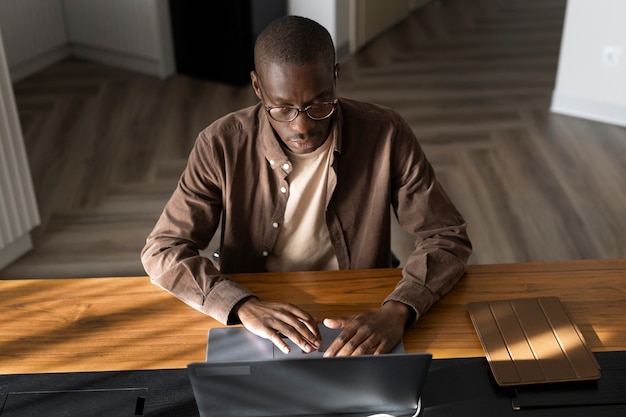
x=586, y=86
x=34, y=35
x=131, y=34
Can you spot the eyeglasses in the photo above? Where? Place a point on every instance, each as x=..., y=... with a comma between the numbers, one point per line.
x=316, y=111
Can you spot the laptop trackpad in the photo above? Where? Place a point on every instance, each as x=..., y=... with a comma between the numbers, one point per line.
x=327, y=334
x=294, y=351
x=97, y=403
x=237, y=344
x=227, y=344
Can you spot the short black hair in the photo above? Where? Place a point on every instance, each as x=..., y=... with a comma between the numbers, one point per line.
x=293, y=40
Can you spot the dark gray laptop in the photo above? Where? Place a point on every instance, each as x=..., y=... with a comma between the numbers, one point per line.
x=300, y=384
x=237, y=343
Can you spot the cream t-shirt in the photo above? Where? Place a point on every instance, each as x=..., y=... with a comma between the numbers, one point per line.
x=303, y=243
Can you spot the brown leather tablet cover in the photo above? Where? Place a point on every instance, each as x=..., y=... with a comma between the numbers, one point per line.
x=532, y=341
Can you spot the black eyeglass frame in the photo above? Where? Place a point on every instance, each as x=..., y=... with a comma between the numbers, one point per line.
x=304, y=110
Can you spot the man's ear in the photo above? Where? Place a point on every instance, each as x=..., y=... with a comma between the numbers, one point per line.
x=255, y=84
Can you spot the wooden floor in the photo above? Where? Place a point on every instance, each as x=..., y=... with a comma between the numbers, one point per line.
x=473, y=78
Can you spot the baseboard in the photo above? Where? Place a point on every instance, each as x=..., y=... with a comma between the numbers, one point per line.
x=40, y=62
x=144, y=65
x=588, y=109
x=15, y=250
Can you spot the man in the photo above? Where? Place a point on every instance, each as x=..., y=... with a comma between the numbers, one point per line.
x=304, y=180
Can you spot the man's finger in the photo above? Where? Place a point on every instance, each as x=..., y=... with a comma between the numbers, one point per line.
x=334, y=323
x=279, y=342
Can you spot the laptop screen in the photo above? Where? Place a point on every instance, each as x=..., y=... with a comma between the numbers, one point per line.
x=356, y=385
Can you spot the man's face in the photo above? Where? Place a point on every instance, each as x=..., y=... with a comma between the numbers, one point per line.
x=298, y=86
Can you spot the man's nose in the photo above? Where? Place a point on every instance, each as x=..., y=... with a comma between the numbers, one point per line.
x=302, y=123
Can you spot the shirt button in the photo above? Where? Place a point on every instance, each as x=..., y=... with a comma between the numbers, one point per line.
x=275, y=225
x=285, y=166
x=265, y=253
x=283, y=190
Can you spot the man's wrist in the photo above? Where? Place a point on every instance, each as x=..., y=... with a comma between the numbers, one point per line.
x=233, y=317
x=402, y=312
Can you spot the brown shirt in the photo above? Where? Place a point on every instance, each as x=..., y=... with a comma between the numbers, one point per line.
x=237, y=171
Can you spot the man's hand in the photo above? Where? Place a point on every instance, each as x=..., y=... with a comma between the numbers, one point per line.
x=269, y=320
x=371, y=332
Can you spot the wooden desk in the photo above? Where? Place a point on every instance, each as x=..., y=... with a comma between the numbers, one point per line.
x=97, y=324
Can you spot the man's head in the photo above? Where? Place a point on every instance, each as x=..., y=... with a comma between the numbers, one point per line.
x=293, y=40
x=295, y=68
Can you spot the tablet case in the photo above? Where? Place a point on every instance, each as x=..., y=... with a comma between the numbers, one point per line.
x=532, y=341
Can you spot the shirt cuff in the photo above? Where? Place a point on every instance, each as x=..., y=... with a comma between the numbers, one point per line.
x=223, y=299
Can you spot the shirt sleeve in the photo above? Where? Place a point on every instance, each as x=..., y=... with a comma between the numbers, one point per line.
x=188, y=222
x=442, y=245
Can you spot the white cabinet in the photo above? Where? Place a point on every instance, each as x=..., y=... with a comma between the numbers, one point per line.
x=18, y=208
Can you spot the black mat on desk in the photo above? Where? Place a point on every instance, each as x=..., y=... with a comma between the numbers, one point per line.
x=454, y=387
x=609, y=389
x=466, y=387
x=158, y=393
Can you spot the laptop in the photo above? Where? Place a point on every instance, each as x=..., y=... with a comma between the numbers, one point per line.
x=238, y=343
x=270, y=383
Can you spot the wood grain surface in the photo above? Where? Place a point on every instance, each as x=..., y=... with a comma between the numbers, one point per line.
x=95, y=324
